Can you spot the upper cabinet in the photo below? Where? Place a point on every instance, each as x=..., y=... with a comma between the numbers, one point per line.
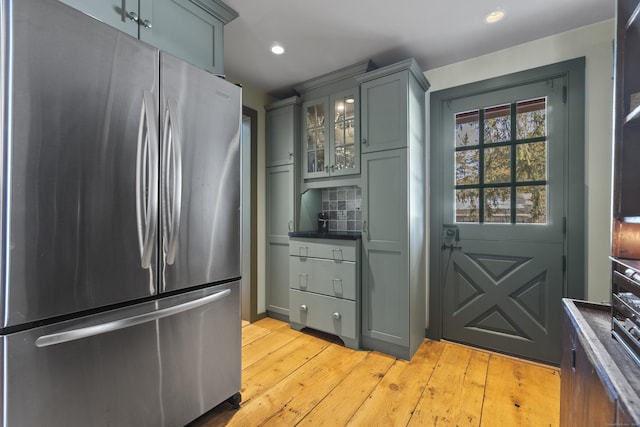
x=282, y=130
x=331, y=127
x=188, y=29
x=384, y=112
x=626, y=174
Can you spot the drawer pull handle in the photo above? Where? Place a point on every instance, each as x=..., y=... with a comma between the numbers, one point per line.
x=336, y=315
x=303, y=307
x=303, y=251
x=340, y=257
x=306, y=280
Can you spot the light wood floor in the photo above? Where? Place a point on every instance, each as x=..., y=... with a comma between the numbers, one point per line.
x=298, y=378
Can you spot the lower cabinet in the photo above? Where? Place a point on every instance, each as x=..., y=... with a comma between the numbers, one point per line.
x=324, y=287
x=280, y=219
x=597, y=375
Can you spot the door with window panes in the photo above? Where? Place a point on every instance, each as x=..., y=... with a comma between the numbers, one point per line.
x=503, y=210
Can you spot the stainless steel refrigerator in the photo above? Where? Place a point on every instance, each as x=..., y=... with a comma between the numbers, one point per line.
x=120, y=198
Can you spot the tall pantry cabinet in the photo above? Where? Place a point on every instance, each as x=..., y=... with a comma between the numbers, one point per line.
x=393, y=208
x=282, y=129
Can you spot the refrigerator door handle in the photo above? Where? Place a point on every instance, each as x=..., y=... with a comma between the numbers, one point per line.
x=127, y=322
x=147, y=180
x=172, y=153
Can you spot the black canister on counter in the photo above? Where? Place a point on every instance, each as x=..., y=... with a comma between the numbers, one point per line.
x=323, y=222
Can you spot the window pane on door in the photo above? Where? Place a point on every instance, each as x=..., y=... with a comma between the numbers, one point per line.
x=497, y=208
x=531, y=204
x=467, y=171
x=531, y=161
x=468, y=129
x=497, y=124
x=467, y=202
x=497, y=164
x=531, y=118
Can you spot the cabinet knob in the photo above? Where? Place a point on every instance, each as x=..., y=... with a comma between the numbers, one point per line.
x=364, y=141
x=146, y=23
x=133, y=16
x=303, y=307
x=364, y=226
x=326, y=169
x=290, y=155
x=290, y=225
x=336, y=315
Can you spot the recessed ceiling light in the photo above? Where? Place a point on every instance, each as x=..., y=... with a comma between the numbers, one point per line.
x=277, y=49
x=494, y=16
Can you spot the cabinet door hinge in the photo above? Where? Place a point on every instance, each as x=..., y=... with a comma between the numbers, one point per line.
x=564, y=94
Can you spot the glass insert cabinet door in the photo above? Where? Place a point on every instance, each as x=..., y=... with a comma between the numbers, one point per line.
x=315, y=138
x=345, y=137
x=331, y=136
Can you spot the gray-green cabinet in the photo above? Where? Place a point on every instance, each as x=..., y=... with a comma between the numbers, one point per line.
x=282, y=201
x=384, y=112
x=331, y=127
x=324, y=280
x=393, y=210
x=280, y=220
x=189, y=29
x=282, y=124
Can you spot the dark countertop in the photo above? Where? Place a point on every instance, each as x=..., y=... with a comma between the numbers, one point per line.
x=342, y=235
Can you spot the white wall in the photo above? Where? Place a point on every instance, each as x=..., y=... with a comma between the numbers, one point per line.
x=595, y=43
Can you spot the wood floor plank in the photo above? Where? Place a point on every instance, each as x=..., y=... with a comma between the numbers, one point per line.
x=455, y=391
x=291, y=399
x=392, y=402
x=272, y=369
x=520, y=394
x=270, y=323
x=344, y=400
x=252, y=332
x=266, y=345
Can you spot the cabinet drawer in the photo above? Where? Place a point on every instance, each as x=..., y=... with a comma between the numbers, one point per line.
x=323, y=276
x=333, y=315
x=340, y=250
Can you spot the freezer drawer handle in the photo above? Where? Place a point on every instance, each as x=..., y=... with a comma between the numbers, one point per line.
x=89, y=331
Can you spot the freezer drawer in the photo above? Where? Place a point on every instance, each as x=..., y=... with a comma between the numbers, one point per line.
x=144, y=371
x=323, y=276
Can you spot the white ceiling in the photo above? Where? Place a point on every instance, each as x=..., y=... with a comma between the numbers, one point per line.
x=323, y=35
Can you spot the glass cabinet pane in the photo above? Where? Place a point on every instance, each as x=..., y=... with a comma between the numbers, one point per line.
x=344, y=130
x=315, y=138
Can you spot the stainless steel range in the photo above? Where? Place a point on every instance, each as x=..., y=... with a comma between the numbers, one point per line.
x=625, y=309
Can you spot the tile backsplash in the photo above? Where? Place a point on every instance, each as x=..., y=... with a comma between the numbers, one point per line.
x=342, y=204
